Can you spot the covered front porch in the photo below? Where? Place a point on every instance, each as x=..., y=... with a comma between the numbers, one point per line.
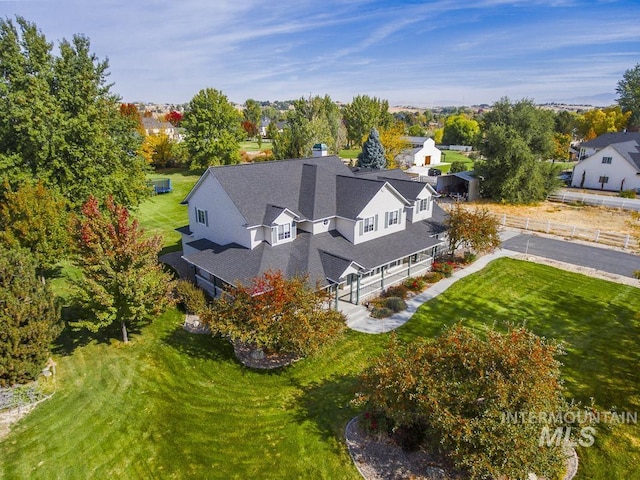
x=362, y=285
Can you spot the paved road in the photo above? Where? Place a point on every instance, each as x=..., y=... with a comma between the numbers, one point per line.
x=567, y=196
x=603, y=259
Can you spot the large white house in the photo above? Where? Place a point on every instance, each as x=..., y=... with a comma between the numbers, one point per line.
x=609, y=162
x=354, y=233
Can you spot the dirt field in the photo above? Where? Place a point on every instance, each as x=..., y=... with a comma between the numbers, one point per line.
x=605, y=219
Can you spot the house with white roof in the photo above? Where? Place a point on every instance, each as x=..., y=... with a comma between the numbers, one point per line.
x=609, y=162
x=352, y=232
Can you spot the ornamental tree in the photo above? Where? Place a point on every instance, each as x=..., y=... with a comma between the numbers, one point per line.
x=174, y=118
x=35, y=218
x=458, y=389
x=476, y=230
x=372, y=155
x=276, y=314
x=122, y=280
x=29, y=317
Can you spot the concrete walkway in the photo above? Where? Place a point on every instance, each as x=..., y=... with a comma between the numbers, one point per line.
x=358, y=316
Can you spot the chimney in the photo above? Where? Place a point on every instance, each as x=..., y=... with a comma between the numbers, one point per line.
x=319, y=150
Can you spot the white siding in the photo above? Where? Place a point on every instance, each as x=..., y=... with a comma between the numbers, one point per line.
x=424, y=214
x=257, y=236
x=619, y=169
x=225, y=223
x=321, y=227
x=384, y=201
x=347, y=228
x=428, y=150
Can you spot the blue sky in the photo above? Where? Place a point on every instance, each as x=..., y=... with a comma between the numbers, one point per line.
x=422, y=53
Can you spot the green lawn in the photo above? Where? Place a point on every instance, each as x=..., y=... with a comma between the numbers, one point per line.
x=176, y=405
x=252, y=146
x=450, y=156
x=163, y=213
x=351, y=153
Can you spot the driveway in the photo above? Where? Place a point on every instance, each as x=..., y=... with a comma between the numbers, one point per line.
x=604, y=259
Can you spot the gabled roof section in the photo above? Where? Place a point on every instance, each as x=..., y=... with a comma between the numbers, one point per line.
x=630, y=151
x=335, y=266
x=300, y=185
x=272, y=212
x=607, y=139
x=354, y=193
x=402, y=182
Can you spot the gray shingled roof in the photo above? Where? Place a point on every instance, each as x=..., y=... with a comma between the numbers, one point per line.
x=607, y=139
x=354, y=193
x=319, y=256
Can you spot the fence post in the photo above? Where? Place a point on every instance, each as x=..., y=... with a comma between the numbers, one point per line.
x=626, y=242
x=504, y=219
x=573, y=232
x=548, y=225
x=526, y=224
x=597, y=235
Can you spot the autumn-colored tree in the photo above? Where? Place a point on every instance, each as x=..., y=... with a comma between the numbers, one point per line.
x=130, y=111
x=394, y=142
x=476, y=230
x=174, y=118
x=122, y=279
x=458, y=389
x=29, y=317
x=250, y=128
x=35, y=218
x=602, y=120
x=562, y=142
x=276, y=314
x=159, y=150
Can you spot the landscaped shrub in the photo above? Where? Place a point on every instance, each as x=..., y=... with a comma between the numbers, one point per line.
x=396, y=304
x=469, y=257
x=636, y=274
x=628, y=194
x=381, y=312
x=397, y=291
x=415, y=284
x=445, y=268
x=432, y=277
x=190, y=296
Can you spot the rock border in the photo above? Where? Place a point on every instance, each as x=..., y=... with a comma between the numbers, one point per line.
x=379, y=459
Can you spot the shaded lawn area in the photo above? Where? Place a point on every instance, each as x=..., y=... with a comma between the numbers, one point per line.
x=599, y=322
x=162, y=214
x=177, y=405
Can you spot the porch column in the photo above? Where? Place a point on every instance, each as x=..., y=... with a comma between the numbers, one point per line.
x=409, y=267
x=336, y=300
x=382, y=278
x=358, y=289
x=350, y=288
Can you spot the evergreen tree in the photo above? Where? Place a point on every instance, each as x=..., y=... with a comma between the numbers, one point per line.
x=122, y=279
x=60, y=123
x=29, y=318
x=372, y=155
x=628, y=91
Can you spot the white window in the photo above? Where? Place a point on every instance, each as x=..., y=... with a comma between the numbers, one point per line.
x=606, y=160
x=284, y=231
x=603, y=180
x=202, y=217
x=369, y=224
x=392, y=218
x=423, y=205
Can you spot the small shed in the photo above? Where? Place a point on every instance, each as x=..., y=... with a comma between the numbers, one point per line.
x=460, y=184
x=160, y=185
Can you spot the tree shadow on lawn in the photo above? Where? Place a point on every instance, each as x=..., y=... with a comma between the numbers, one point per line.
x=72, y=337
x=327, y=404
x=202, y=346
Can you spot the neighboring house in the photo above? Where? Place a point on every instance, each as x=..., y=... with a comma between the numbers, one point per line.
x=153, y=126
x=352, y=233
x=425, y=154
x=609, y=162
x=264, y=123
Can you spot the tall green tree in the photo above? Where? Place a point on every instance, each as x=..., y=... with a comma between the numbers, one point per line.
x=61, y=123
x=35, y=218
x=29, y=318
x=460, y=130
x=214, y=129
x=363, y=114
x=122, y=280
x=628, y=91
x=517, y=139
x=253, y=113
x=372, y=155
x=313, y=120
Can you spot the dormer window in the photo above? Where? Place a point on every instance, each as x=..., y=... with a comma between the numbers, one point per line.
x=283, y=233
x=392, y=218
